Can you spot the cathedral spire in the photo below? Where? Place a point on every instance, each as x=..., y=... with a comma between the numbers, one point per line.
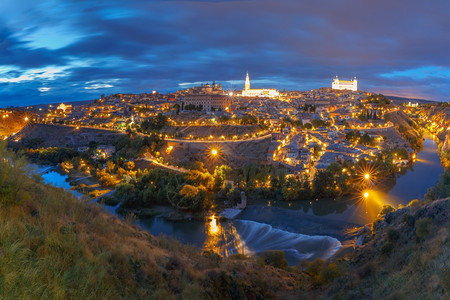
x=247, y=83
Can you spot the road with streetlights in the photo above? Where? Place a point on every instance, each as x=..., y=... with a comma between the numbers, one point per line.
x=149, y=158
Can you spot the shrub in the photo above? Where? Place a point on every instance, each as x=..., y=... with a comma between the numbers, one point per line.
x=393, y=234
x=215, y=258
x=238, y=256
x=413, y=203
x=423, y=227
x=315, y=266
x=365, y=270
x=328, y=273
x=274, y=258
x=386, y=209
x=387, y=248
x=408, y=219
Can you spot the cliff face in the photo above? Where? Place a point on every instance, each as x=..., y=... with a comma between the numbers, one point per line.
x=407, y=128
x=62, y=136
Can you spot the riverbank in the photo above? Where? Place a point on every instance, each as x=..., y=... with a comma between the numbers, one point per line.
x=55, y=246
x=335, y=218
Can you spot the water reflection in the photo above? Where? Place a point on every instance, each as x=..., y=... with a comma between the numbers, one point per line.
x=249, y=238
x=411, y=182
x=223, y=238
x=293, y=226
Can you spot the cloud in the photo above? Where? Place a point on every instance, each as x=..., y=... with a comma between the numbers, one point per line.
x=95, y=85
x=426, y=72
x=80, y=45
x=46, y=73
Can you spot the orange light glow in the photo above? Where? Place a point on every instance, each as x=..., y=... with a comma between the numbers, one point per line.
x=213, y=228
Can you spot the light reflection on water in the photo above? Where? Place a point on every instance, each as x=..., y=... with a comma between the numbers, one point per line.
x=250, y=238
x=276, y=224
x=223, y=238
x=412, y=183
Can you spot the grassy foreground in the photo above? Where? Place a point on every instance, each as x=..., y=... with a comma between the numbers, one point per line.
x=54, y=246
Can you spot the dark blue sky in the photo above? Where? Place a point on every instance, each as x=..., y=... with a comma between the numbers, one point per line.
x=65, y=50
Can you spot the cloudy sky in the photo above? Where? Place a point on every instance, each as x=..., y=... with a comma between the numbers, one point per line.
x=65, y=50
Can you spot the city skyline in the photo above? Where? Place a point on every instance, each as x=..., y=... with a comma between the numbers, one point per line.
x=77, y=50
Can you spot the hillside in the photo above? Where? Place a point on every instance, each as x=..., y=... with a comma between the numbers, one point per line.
x=49, y=135
x=11, y=122
x=407, y=128
x=406, y=256
x=54, y=246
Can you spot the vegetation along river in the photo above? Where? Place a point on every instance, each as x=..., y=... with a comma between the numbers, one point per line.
x=304, y=229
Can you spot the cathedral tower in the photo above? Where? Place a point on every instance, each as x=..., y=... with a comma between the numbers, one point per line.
x=247, y=83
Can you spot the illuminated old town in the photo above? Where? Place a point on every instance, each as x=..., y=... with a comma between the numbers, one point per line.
x=168, y=150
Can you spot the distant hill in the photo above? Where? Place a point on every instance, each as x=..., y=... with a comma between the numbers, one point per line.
x=399, y=100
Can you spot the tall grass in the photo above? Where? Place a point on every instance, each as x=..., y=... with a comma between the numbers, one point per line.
x=54, y=246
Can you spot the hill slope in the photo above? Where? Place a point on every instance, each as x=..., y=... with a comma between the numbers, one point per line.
x=54, y=246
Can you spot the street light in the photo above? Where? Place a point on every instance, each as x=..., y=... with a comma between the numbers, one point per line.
x=214, y=152
x=367, y=176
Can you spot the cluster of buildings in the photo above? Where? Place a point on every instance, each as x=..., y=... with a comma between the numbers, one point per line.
x=115, y=111
x=207, y=97
x=211, y=97
x=302, y=151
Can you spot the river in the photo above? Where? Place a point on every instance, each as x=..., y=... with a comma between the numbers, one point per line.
x=303, y=230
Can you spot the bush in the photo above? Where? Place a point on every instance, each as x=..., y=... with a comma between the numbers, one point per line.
x=408, y=219
x=413, y=203
x=386, y=209
x=365, y=270
x=423, y=227
x=215, y=258
x=387, y=248
x=274, y=258
x=328, y=273
x=393, y=235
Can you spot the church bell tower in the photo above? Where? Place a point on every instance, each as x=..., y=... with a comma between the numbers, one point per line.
x=247, y=83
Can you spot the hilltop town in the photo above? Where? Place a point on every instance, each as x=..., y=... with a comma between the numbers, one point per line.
x=303, y=131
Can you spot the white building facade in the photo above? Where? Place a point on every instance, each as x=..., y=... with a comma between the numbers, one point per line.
x=338, y=84
x=264, y=93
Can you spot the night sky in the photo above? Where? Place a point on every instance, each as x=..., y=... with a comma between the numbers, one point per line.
x=62, y=50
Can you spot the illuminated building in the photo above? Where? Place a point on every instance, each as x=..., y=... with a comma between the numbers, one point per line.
x=64, y=108
x=266, y=93
x=351, y=85
x=209, y=97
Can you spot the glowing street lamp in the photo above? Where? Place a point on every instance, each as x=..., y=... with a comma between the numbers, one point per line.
x=366, y=195
x=214, y=152
x=367, y=176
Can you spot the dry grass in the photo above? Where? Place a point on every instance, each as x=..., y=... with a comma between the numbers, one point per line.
x=54, y=246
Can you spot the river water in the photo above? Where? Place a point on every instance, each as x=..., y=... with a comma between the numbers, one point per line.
x=303, y=230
